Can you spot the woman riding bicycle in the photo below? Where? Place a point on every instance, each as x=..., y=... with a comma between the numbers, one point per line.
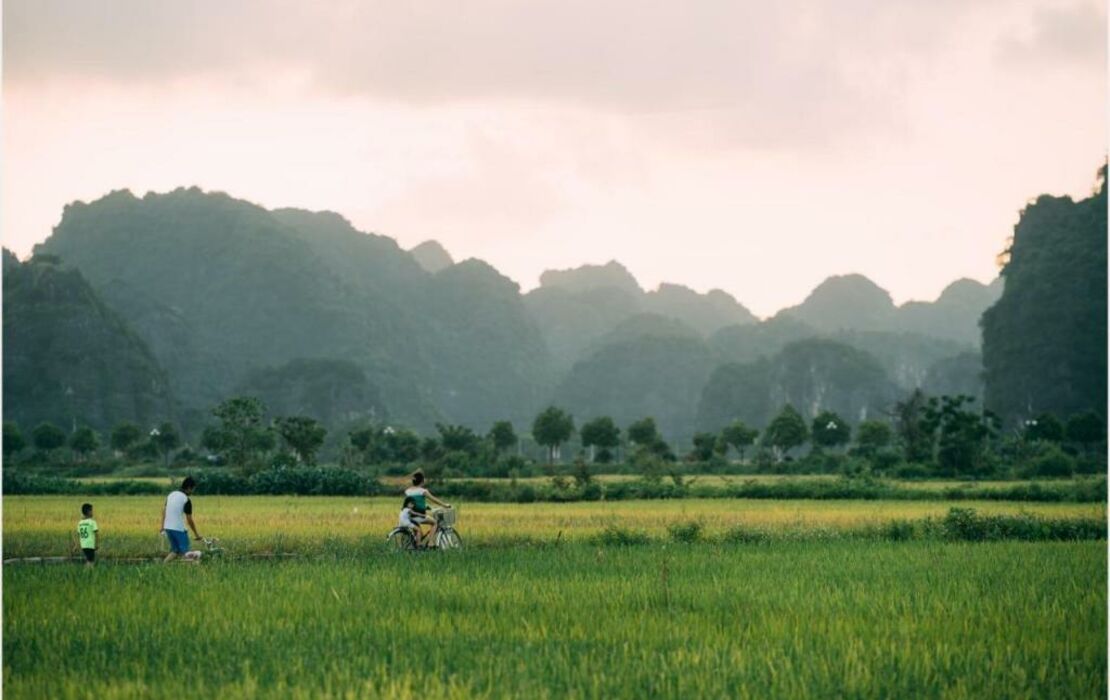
x=420, y=497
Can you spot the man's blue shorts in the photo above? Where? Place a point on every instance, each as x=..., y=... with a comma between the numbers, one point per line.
x=179, y=541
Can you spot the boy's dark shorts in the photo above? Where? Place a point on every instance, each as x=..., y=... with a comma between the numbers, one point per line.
x=90, y=554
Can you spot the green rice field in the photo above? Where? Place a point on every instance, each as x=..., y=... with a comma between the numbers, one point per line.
x=537, y=606
x=798, y=620
x=40, y=525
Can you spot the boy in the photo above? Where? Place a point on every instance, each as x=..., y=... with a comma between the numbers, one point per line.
x=411, y=519
x=87, y=531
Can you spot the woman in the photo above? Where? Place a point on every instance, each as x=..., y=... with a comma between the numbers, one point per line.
x=420, y=497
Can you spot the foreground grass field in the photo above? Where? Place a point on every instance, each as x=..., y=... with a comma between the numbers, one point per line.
x=795, y=620
x=40, y=525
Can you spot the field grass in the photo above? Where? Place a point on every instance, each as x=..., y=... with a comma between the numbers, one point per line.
x=40, y=525
x=716, y=480
x=797, y=620
x=733, y=479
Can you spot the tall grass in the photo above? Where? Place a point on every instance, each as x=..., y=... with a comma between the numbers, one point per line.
x=41, y=525
x=799, y=620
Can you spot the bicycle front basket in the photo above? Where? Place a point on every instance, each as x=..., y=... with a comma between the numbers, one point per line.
x=447, y=516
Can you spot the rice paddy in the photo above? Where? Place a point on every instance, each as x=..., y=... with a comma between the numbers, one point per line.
x=534, y=607
x=40, y=525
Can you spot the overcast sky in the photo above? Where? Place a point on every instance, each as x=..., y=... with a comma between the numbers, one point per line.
x=756, y=147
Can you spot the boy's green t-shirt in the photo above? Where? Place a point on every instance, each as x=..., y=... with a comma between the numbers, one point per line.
x=86, y=531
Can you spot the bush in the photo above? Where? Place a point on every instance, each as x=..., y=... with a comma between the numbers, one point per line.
x=687, y=532
x=615, y=536
x=885, y=460
x=222, y=483
x=88, y=469
x=747, y=535
x=964, y=524
x=1052, y=462
x=912, y=470
x=898, y=530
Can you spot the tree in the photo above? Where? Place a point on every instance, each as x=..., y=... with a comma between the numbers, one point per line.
x=457, y=438
x=705, y=444
x=601, y=433
x=914, y=431
x=47, y=437
x=380, y=445
x=13, y=440
x=165, y=439
x=1044, y=428
x=214, y=439
x=430, y=449
x=303, y=435
x=502, y=435
x=402, y=445
x=737, y=434
x=124, y=435
x=786, y=431
x=84, y=441
x=643, y=432
x=964, y=435
x=243, y=432
x=1085, y=429
x=872, y=436
x=830, y=430
x=552, y=427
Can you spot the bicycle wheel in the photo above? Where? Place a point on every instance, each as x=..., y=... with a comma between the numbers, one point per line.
x=401, y=541
x=448, y=539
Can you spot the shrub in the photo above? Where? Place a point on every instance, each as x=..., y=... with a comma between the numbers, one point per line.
x=615, y=536
x=898, y=530
x=965, y=524
x=747, y=535
x=1052, y=462
x=687, y=532
x=912, y=470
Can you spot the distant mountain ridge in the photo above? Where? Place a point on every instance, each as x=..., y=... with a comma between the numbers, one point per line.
x=855, y=303
x=228, y=296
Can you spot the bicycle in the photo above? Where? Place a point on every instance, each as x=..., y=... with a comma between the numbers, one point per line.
x=403, y=539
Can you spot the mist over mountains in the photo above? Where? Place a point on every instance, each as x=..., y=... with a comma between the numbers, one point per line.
x=207, y=296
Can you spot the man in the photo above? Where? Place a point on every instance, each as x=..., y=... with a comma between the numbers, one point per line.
x=177, y=511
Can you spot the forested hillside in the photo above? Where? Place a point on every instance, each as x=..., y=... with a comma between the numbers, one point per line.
x=70, y=359
x=317, y=317
x=1044, y=342
x=811, y=375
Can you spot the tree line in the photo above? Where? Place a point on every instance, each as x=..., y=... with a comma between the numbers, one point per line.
x=921, y=436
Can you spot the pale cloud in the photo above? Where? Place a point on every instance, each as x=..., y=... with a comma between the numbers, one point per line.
x=754, y=147
x=768, y=75
x=1070, y=32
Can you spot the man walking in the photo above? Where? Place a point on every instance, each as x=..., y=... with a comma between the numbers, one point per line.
x=177, y=511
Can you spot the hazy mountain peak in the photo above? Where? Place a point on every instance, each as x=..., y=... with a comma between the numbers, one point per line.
x=588, y=277
x=965, y=290
x=325, y=217
x=844, y=302
x=478, y=272
x=707, y=313
x=432, y=256
x=855, y=286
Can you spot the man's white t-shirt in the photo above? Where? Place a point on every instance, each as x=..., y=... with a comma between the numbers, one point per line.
x=178, y=506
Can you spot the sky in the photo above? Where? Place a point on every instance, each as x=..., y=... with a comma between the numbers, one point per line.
x=753, y=147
